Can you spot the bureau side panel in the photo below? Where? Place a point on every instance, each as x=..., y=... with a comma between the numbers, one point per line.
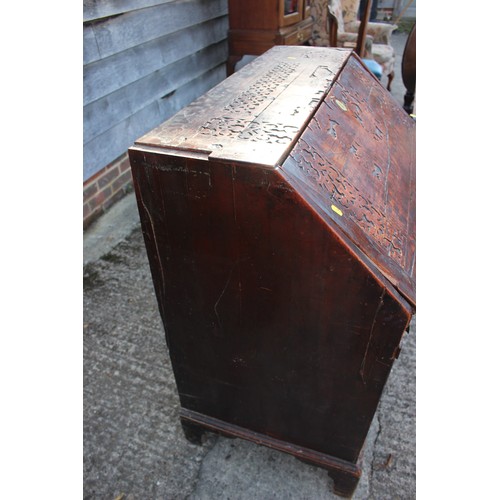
x=272, y=323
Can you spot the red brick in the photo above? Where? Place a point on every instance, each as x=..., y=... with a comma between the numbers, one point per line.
x=108, y=177
x=116, y=161
x=105, y=169
x=86, y=210
x=93, y=177
x=124, y=156
x=122, y=181
x=89, y=191
x=105, y=187
x=94, y=203
x=100, y=198
x=125, y=165
x=113, y=199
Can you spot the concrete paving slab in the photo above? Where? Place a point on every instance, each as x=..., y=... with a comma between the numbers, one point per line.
x=133, y=442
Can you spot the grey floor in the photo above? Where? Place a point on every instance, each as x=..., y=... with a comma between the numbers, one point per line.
x=133, y=444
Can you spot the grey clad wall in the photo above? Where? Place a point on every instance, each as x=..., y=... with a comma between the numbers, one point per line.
x=143, y=61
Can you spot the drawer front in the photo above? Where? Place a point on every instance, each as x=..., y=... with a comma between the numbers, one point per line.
x=298, y=36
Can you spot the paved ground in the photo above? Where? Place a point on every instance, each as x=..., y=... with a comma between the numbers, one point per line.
x=134, y=447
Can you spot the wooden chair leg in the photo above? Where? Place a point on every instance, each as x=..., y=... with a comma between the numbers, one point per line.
x=408, y=102
x=391, y=77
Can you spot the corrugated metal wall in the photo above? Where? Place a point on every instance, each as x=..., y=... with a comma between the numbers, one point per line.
x=143, y=61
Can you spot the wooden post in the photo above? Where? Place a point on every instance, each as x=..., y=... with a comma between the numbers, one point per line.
x=360, y=46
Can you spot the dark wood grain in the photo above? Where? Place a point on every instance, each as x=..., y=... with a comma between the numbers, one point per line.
x=257, y=26
x=409, y=69
x=254, y=116
x=283, y=315
x=345, y=474
x=361, y=38
x=367, y=171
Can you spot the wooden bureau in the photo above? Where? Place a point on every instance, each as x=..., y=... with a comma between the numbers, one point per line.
x=278, y=213
x=256, y=26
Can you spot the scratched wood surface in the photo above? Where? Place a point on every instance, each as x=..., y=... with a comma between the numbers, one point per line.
x=282, y=317
x=255, y=115
x=356, y=161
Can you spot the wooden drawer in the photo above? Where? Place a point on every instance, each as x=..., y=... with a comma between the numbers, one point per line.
x=301, y=34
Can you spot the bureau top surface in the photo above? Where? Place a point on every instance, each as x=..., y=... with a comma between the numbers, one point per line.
x=255, y=115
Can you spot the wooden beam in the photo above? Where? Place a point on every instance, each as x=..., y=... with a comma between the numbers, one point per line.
x=106, y=112
x=132, y=29
x=105, y=148
x=99, y=9
x=108, y=75
x=365, y=16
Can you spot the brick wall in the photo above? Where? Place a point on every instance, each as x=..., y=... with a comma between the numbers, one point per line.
x=105, y=188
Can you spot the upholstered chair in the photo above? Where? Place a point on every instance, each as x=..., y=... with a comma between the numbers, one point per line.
x=319, y=14
x=344, y=26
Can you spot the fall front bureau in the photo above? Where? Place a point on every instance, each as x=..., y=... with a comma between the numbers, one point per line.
x=278, y=213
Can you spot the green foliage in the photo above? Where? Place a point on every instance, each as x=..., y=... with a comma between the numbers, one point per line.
x=406, y=24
